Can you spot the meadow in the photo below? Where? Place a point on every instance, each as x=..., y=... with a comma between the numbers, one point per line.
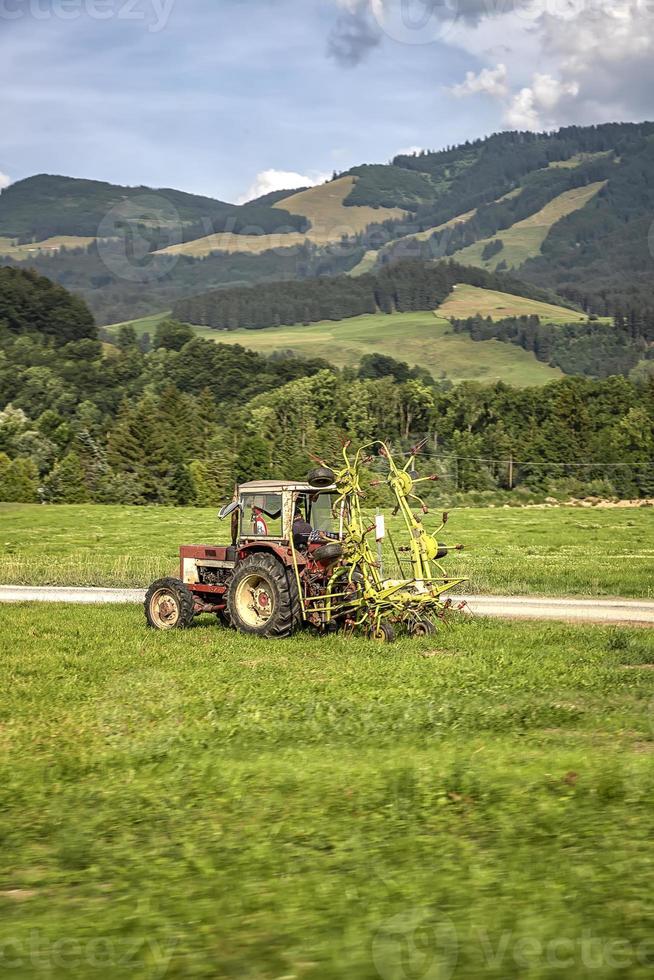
x=467, y=301
x=513, y=551
x=423, y=339
x=524, y=239
x=322, y=205
x=196, y=804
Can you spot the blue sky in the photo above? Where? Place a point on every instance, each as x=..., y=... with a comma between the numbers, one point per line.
x=206, y=95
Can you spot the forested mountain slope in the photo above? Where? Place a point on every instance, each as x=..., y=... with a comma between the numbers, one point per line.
x=571, y=210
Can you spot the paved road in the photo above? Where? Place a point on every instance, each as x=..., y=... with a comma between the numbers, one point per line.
x=634, y=611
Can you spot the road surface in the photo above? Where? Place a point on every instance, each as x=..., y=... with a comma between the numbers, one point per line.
x=608, y=611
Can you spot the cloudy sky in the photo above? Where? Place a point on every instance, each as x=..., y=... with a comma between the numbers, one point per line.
x=231, y=98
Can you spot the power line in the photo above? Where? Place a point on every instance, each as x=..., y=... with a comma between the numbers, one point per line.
x=524, y=462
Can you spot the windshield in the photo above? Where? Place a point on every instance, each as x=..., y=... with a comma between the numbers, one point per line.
x=320, y=512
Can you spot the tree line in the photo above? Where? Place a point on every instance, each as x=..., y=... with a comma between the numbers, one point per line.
x=594, y=349
x=399, y=287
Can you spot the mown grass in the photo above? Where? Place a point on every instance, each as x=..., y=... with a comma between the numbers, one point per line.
x=202, y=805
x=554, y=551
x=524, y=239
x=55, y=244
x=322, y=205
x=471, y=300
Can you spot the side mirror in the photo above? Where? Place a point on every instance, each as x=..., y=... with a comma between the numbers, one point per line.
x=228, y=509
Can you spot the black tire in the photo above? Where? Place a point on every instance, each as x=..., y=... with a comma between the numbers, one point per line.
x=420, y=627
x=383, y=634
x=273, y=610
x=328, y=552
x=168, y=605
x=321, y=477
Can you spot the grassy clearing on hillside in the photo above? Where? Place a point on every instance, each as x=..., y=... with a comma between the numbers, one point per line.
x=146, y=324
x=55, y=244
x=558, y=551
x=322, y=205
x=524, y=239
x=467, y=301
x=196, y=804
x=417, y=338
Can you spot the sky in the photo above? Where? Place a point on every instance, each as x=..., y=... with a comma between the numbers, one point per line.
x=232, y=98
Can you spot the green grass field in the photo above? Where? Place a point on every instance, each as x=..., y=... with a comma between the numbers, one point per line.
x=557, y=551
x=196, y=804
x=417, y=338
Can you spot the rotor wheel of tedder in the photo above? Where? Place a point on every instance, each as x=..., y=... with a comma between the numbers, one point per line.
x=384, y=633
x=420, y=627
x=262, y=599
x=169, y=605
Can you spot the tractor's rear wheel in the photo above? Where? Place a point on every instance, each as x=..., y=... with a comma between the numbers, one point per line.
x=263, y=599
x=169, y=605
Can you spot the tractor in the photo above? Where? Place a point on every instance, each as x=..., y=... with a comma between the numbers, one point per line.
x=301, y=554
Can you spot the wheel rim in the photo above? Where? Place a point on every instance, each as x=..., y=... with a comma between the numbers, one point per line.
x=164, y=609
x=254, y=600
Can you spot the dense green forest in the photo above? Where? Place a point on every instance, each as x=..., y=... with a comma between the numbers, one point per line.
x=114, y=298
x=396, y=288
x=180, y=419
x=593, y=349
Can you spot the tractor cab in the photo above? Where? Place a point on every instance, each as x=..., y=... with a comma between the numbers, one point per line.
x=265, y=511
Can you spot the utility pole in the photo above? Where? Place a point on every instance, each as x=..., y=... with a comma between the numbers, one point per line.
x=511, y=472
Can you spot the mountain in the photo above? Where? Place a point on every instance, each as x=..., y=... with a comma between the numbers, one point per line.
x=569, y=212
x=45, y=206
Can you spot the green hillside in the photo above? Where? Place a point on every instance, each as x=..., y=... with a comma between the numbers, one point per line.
x=569, y=210
x=46, y=205
x=465, y=301
x=524, y=240
x=422, y=339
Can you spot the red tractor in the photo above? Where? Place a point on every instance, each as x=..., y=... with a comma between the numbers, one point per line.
x=300, y=553
x=257, y=583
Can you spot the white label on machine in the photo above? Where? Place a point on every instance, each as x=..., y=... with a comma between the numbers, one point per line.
x=380, y=527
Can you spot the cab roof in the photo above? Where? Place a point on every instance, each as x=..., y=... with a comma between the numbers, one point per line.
x=277, y=486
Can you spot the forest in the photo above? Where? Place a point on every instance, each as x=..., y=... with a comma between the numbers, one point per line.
x=397, y=288
x=180, y=419
x=593, y=349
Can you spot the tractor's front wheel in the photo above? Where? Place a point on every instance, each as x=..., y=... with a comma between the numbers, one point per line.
x=263, y=599
x=169, y=605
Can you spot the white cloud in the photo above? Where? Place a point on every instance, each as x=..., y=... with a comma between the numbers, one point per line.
x=534, y=107
x=490, y=81
x=4, y=180
x=280, y=180
x=409, y=151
